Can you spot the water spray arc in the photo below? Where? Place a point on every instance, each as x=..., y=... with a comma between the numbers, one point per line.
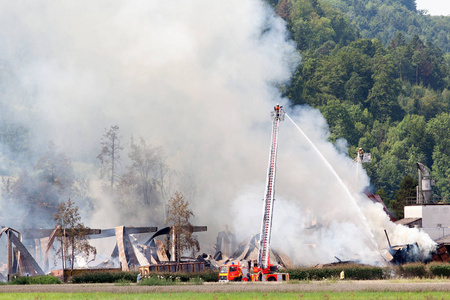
x=341, y=183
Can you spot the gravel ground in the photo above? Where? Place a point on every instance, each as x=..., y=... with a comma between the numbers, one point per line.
x=317, y=286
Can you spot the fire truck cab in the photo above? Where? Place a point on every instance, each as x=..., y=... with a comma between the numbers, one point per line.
x=269, y=274
x=231, y=272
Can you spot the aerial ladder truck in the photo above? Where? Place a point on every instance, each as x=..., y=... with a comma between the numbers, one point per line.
x=263, y=270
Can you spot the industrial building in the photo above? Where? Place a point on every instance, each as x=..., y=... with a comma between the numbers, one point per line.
x=426, y=211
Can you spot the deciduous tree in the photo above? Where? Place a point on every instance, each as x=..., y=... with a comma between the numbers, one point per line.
x=73, y=236
x=179, y=215
x=147, y=182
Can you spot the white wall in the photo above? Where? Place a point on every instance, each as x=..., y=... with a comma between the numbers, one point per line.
x=413, y=211
x=435, y=218
x=432, y=215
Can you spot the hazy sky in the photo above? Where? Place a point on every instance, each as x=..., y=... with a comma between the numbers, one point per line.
x=435, y=7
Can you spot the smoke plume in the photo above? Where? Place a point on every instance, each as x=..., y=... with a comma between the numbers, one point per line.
x=198, y=78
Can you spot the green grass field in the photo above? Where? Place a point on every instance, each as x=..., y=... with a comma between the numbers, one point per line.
x=233, y=296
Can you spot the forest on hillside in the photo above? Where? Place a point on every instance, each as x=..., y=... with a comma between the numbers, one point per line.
x=383, y=19
x=379, y=73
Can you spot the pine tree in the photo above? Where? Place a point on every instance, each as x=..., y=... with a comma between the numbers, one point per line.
x=110, y=155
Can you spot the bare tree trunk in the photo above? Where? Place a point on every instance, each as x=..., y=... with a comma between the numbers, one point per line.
x=73, y=255
x=112, y=162
x=178, y=243
x=63, y=256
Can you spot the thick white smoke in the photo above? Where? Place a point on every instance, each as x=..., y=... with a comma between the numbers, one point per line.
x=199, y=79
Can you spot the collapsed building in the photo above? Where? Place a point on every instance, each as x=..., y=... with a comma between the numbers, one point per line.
x=226, y=242
x=28, y=251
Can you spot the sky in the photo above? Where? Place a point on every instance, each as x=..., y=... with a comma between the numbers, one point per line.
x=434, y=7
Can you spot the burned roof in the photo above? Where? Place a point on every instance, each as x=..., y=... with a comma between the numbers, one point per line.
x=410, y=221
x=444, y=240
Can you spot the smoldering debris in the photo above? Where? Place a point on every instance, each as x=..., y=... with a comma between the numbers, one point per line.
x=247, y=251
x=410, y=253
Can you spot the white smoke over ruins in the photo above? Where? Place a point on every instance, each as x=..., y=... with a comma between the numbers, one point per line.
x=198, y=78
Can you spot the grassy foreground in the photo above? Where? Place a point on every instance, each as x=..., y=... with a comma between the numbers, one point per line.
x=245, y=295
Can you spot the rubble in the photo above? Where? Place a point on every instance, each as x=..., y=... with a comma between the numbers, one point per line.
x=248, y=251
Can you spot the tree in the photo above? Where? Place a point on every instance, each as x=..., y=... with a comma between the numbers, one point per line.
x=55, y=168
x=73, y=234
x=178, y=218
x=382, y=98
x=340, y=122
x=37, y=192
x=407, y=190
x=110, y=155
x=150, y=171
x=283, y=9
x=439, y=129
x=146, y=184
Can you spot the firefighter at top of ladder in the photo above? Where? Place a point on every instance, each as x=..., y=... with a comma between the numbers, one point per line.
x=278, y=113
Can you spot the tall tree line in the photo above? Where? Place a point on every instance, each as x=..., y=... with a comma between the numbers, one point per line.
x=389, y=97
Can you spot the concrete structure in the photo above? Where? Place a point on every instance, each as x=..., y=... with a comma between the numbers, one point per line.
x=435, y=219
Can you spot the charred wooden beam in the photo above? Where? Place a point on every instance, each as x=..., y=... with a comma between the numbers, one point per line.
x=129, y=230
x=9, y=258
x=166, y=230
x=199, y=228
x=43, y=233
x=24, y=253
x=96, y=233
x=127, y=257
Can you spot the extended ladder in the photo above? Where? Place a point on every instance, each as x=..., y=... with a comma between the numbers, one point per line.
x=266, y=226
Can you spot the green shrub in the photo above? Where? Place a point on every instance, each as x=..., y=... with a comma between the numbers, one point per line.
x=122, y=282
x=324, y=273
x=363, y=273
x=413, y=270
x=209, y=276
x=175, y=278
x=351, y=272
x=43, y=279
x=299, y=274
x=21, y=280
x=157, y=280
x=196, y=281
x=104, y=277
x=206, y=276
x=440, y=270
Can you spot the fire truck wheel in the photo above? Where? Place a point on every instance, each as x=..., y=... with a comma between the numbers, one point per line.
x=271, y=278
x=238, y=279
